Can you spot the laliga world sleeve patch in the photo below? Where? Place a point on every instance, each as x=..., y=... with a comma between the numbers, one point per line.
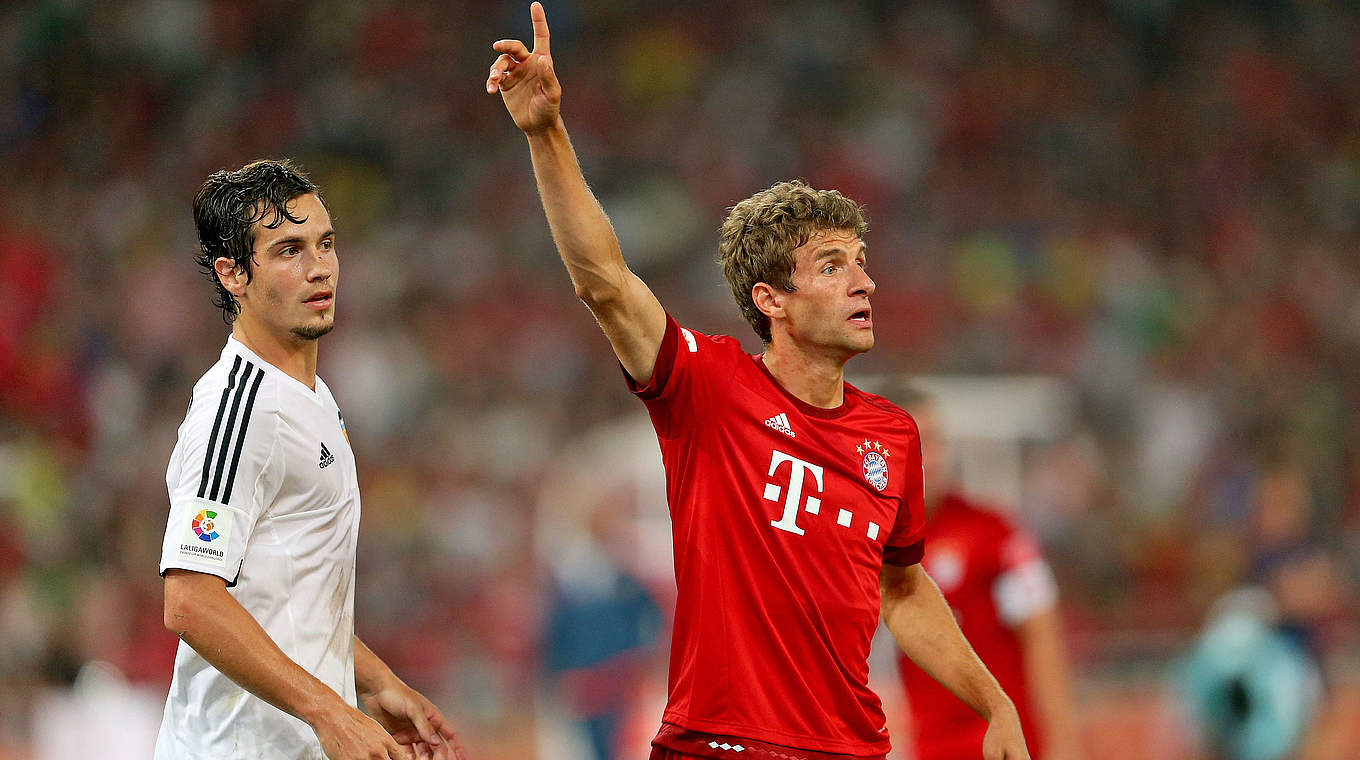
x=206, y=535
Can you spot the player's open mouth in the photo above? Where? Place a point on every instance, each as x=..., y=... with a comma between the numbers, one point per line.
x=862, y=317
x=321, y=300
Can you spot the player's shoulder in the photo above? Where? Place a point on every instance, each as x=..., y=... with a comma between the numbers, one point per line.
x=877, y=404
x=239, y=385
x=694, y=340
x=324, y=393
x=323, y=390
x=708, y=349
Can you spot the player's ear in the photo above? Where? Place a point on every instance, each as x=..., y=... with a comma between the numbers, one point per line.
x=232, y=276
x=769, y=299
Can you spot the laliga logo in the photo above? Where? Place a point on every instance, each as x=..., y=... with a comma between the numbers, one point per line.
x=203, y=525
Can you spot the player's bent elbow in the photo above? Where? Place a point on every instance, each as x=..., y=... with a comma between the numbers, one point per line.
x=598, y=297
x=602, y=287
x=177, y=605
x=176, y=617
x=184, y=597
x=897, y=583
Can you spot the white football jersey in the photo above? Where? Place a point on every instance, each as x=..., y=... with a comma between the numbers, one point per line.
x=263, y=493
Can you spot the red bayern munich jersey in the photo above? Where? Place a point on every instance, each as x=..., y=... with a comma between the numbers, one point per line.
x=782, y=516
x=993, y=576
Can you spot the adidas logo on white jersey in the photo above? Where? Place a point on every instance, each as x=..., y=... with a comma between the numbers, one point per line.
x=780, y=422
x=327, y=458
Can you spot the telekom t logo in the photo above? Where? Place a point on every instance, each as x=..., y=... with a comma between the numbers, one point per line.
x=794, y=497
x=794, y=501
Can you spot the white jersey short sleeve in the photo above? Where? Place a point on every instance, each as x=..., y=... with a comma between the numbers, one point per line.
x=263, y=493
x=220, y=477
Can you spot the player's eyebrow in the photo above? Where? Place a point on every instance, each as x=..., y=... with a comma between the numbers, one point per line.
x=839, y=250
x=294, y=239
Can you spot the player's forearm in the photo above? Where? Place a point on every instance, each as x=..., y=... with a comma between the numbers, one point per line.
x=371, y=674
x=231, y=640
x=584, y=237
x=920, y=621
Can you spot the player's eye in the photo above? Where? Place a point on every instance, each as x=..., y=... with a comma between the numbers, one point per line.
x=289, y=251
x=327, y=245
x=829, y=269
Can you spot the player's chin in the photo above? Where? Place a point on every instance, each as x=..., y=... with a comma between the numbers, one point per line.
x=314, y=329
x=861, y=342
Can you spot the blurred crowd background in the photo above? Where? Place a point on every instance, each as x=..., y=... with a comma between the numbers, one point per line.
x=1153, y=203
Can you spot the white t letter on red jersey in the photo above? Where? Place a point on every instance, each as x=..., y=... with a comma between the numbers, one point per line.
x=793, y=499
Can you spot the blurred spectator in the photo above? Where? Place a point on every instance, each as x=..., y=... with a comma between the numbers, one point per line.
x=1252, y=689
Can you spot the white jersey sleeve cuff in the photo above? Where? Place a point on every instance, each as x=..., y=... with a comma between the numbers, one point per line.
x=206, y=537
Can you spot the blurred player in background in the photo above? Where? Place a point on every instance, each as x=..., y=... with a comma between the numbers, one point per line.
x=1004, y=598
x=259, y=548
x=602, y=629
x=795, y=497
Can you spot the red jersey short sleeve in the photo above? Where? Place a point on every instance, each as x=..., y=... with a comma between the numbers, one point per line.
x=685, y=379
x=783, y=514
x=906, y=546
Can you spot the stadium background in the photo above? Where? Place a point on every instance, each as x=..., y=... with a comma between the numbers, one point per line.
x=1153, y=208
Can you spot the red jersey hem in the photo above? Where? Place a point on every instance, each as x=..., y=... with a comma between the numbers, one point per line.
x=708, y=742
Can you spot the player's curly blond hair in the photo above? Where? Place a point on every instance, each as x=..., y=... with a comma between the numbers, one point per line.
x=757, y=239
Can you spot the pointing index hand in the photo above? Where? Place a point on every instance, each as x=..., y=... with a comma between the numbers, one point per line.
x=526, y=80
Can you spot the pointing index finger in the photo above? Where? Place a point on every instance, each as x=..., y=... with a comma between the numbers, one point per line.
x=540, y=20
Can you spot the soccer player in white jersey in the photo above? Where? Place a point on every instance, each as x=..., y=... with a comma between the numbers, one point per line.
x=259, y=550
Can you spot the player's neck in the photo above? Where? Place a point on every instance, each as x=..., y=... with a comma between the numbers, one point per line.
x=814, y=379
x=293, y=356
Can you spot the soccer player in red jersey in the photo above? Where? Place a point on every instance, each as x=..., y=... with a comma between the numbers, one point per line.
x=1004, y=598
x=795, y=498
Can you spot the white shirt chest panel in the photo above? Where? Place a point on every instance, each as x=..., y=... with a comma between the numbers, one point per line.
x=319, y=490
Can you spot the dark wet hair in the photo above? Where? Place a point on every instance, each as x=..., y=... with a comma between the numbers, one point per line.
x=226, y=208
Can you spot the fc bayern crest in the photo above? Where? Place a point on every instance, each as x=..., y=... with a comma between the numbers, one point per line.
x=875, y=463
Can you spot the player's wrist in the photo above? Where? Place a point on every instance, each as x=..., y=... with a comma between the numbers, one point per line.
x=553, y=130
x=1000, y=707
x=377, y=683
x=320, y=710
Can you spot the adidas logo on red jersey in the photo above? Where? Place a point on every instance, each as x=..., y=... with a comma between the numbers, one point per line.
x=780, y=422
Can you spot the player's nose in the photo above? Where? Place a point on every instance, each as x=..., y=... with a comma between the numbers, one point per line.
x=863, y=284
x=321, y=264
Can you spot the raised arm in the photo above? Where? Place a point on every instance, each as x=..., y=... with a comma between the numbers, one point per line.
x=919, y=619
x=625, y=307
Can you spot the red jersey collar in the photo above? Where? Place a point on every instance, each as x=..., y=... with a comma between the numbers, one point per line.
x=803, y=406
